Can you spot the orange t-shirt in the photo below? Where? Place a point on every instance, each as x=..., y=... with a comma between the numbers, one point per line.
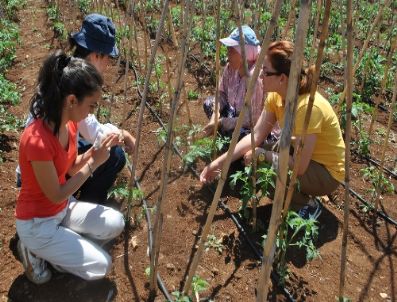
x=38, y=143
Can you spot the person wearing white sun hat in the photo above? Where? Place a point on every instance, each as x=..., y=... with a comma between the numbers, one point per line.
x=233, y=86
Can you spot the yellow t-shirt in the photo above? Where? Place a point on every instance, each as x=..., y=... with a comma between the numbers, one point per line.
x=330, y=147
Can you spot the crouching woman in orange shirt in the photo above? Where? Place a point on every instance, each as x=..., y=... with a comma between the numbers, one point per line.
x=53, y=227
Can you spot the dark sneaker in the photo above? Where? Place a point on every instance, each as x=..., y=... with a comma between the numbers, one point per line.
x=13, y=246
x=35, y=268
x=312, y=210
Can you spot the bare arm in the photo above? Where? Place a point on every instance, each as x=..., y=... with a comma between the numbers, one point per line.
x=261, y=131
x=47, y=178
x=80, y=161
x=306, y=154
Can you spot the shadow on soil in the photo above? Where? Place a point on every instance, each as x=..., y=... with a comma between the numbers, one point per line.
x=62, y=287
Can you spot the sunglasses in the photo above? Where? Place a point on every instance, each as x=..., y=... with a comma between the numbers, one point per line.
x=270, y=73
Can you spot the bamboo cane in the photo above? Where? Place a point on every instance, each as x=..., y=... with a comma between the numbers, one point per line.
x=364, y=47
x=236, y=132
x=145, y=37
x=246, y=76
x=285, y=141
x=143, y=101
x=317, y=21
x=349, y=93
x=217, y=70
x=171, y=28
x=186, y=101
x=291, y=17
x=217, y=74
x=383, y=84
x=169, y=85
x=386, y=143
x=138, y=56
x=182, y=9
x=168, y=152
x=313, y=89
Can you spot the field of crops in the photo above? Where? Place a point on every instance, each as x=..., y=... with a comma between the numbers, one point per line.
x=188, y=241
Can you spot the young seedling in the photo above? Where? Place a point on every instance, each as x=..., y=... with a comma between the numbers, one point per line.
x=202, y=148
x=298, y=232
x=378, y=181
x=264, y=182
x=214, y=243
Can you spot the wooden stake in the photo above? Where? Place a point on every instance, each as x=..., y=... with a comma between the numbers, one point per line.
x=317, y=21
x=169, y=79
x=285, y=141
x=145, y=35
x=383, y=84
x=247, y=78
x=142, y=105
x=171, y=28
x=236, y=133
x=349, y=91
x=364, y=48
x=217, y=71
x=313, y=89
x=168, y=152
x=186, y=101
x=291, y=18
x=386, y=143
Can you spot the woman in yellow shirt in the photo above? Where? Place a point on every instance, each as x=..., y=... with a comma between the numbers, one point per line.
x=322, y=161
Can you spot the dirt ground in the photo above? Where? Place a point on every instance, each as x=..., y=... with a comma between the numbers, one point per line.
x=232, y=274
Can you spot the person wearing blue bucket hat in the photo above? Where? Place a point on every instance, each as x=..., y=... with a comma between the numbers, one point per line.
x=233, y=86
x=95, y=42
x=97, y=34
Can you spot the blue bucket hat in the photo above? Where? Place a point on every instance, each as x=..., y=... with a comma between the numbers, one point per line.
x=234, y=37
x=98, y=35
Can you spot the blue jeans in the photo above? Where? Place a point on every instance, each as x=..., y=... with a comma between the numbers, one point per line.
x=95, y=188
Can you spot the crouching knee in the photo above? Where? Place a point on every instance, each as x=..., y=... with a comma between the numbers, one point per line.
x=115, y=224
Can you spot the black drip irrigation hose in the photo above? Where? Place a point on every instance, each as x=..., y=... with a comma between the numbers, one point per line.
x=234, y=218
x=160, y=282
x=376, y=163
x=367, y=204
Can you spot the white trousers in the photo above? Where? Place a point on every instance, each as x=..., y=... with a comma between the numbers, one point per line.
x=64, y=239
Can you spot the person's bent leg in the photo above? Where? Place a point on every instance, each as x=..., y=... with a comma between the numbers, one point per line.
x=95, y=188
x=64, y=248
x=316, y=181
x=93, y=220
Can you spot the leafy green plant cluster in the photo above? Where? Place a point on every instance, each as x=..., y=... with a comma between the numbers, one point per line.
x=377, y=179
x=370, y=73
x=11, y=7
x=9, y=95
x=9, y=38
x=203, y=148
x=55, y=17
x=122, y=191
x=265, y=176
x=295, y=232
x=184, y=136
x=215, y=243
x=192, y=95
x=84, y=6
x=176, y=16
x=204, y=33
x=198, y=285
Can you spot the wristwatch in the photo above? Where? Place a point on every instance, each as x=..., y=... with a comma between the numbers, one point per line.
x=262, y=156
